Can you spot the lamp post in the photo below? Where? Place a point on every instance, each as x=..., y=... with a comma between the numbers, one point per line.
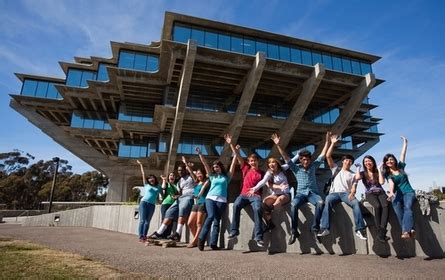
x=56, y=160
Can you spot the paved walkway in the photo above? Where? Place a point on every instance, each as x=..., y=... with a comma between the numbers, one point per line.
x=125, y=253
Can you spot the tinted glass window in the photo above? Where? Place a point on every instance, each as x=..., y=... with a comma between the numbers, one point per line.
x=198, y=35
x=126, y=60
x=74, y=77
x=336, y=61
x=211, y=40
x=284, y=53
x=261, y=47
x=102, y=74
x=295, y=55
x=306, y=57
x=237, y=44
x=249, y=46
x=140, y=62
x=272, y=51
x=152, y=63
x=223, y=42
x=316, y=58
x=365, y=68
x=42, y=87
x=181, y=34
x=355, y=67
x=29, y=88
x=87, y=76
x=327, y=61
x=346, y=65
x=52, y=92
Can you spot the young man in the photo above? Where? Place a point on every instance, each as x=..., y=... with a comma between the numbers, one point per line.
x=182, y=206
x=307, y=189
x=251, y=176
x=343, y=188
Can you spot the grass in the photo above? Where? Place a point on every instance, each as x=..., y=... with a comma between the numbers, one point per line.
x=22, y=259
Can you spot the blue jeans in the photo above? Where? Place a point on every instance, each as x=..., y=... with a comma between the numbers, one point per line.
x=146, y=211
x=164, y=208
x=403, y=206
x=180, y=208
x=299, y=200
x=215, y=210
x=334, y=198
x=241, y=202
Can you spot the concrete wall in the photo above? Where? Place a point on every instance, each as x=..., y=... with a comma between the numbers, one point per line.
x=429, y=241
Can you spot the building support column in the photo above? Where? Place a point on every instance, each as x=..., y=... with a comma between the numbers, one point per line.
x=350, y=109
x=253, y=79
x=289, y=127
x=184, y=88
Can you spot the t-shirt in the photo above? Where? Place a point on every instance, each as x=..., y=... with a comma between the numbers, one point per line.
x=401, y=180
x=187, y=185
x=251, y=177
x=170, y=191
x=201, y=200
x=277, y=179
x=218, y=188
x=343, y=182
x=150, y=193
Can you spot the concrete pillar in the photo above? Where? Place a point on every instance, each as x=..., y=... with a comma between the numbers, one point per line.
x=253, y=79
x=310, y=86
x=184, y=88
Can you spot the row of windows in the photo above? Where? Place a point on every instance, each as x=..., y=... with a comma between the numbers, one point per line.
x=133, y=113
x=138, y=61
x=80, y=121
x=129, y=149
x=79, y=78
x=373, y=129
x=328, y=117
x=40, y=89
x=241, y=44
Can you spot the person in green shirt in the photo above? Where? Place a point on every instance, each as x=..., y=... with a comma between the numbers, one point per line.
x=169, y=195
x=400, y=191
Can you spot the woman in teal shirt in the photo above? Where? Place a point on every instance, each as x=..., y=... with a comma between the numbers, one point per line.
x=216, y=199
x=400, y=190
x=147, y=205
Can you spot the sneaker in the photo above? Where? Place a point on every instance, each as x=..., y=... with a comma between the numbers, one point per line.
x=232, y=236
x=215, y=247
x=412, y=233
x=405, y=235
x=201, y=244
x=323, y=233
x=293, y=237
x=260, y=243
x=155, y=235
x=175, y=237
x=360, y=235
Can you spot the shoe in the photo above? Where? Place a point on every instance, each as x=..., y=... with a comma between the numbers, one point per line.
x=360, y=235
x=142, y=239
x=201, y=244
x=232, y=236
x=175, y=237
x=381, y=235
x=155, y=235
x=260, y=243
x=405, y=236
x=323, y=233
x=412, y=233
x=215, y=247
x=293, y=237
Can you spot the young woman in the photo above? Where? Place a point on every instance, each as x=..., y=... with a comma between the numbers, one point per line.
x=216, y=200
x=372, y=179
x=400, y=190
x=147, y=205
x=169, y=195
x=279, y=193
x=198, y=214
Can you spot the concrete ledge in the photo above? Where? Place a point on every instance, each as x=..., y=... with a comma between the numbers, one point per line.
x=429, y=241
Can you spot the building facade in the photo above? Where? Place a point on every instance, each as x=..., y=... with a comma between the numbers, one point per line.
x=203, y=79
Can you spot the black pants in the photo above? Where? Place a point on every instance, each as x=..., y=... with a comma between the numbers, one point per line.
x=380, y=204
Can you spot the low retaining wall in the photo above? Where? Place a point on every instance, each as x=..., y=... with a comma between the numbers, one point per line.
x=429, y=241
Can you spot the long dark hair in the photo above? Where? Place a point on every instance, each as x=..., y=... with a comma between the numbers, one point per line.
x=386, y=169
x=152, y=176
x=374, y=167
x=221, y=165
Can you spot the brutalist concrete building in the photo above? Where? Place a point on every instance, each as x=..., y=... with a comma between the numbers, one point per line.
x=202, y=79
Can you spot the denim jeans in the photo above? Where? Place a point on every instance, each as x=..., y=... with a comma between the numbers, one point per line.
x=164, y=208
x=334, y=198
x=300, y=199
x=180, y=208
x=215, y=210
x=241, y=202
x=403, y=206
x=146, y=211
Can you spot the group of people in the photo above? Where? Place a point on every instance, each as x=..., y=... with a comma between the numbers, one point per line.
x=199, y=197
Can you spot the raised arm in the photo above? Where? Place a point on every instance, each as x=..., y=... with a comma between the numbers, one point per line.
x=228, y=139
x=204, y=162
x=334, y=139
x=203, y=188
x=232, y=166
x=188, y=166
x=404, y=147
x=358, y=175
x=276, y=139
x=381, y=176
x=326, y=144
x=142, y=172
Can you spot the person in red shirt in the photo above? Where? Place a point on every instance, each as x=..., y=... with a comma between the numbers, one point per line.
x=251, y=176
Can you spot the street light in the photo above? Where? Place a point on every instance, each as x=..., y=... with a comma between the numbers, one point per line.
x=56, y=160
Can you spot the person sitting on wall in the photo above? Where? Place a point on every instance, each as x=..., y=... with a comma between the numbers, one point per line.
x=343, y=189
x=278, y=190
x=182, y=206
x=401, y=192
x=307, y=189
x=149, y=193
x=372, y=178
x=251, y=176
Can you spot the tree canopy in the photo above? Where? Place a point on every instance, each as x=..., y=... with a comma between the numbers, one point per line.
x=23, y=185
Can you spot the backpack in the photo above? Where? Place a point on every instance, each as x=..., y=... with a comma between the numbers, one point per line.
x=328, y=184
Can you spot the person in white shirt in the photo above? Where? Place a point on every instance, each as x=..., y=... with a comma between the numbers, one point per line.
x=342, y=189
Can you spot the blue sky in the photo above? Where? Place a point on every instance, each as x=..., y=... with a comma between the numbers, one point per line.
x=408, y=35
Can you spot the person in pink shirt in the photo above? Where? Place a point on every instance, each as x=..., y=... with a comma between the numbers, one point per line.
x=251, y=176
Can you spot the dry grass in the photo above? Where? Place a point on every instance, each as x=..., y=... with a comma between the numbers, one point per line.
x=22, y=259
